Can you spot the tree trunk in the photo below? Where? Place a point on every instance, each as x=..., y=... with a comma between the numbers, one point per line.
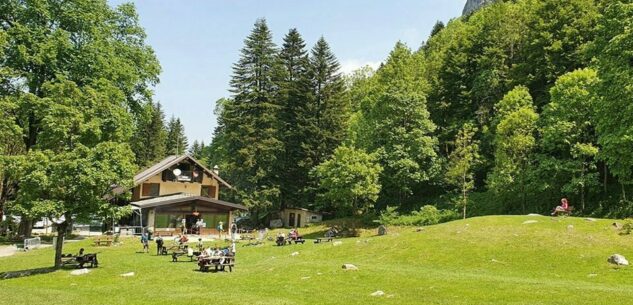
x=606, y=173
x=25, y=227
x=582, y=187
x=61, y=234
x=623, y=191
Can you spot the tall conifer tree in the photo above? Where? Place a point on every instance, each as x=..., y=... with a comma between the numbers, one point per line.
x=150, y=136
x=176, y=139
x=294, y=98
x=251, y=124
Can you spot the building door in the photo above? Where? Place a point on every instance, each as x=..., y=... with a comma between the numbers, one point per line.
x=298, y=220
x=291, y=220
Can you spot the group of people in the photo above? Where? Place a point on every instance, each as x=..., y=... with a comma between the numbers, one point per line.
x=293, y=235
x=215, y=254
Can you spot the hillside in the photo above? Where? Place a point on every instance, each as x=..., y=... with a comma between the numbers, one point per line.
x=484, y=260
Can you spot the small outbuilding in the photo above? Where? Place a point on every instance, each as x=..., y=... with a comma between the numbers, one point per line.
x=299, y=217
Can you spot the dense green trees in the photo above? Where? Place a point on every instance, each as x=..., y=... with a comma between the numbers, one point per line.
x=349, y=181
x=176, y=140
x=521, y=102
x=71, y=71
x=288, y=113
x=149, y=141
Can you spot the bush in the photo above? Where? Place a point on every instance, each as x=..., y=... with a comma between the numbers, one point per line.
x=427, y=215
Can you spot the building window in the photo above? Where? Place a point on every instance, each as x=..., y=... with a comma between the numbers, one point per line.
x=314, y=217
x=151, y=190
x=208, y=191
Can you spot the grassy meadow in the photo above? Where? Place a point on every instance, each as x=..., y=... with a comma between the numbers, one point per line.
x=484, y=260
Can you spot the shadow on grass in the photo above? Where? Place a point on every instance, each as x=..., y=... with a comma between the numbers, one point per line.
x=24, y=273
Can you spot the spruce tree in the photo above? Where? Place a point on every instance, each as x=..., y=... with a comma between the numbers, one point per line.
x=149, y=139
x=327, y=112
x=251, y=124
x=176, y=139
x=294, y=98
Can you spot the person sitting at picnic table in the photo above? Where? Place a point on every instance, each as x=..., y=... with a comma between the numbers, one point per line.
x=200, y=244
x=281, y=239
x=183, y=239
x=562, y=208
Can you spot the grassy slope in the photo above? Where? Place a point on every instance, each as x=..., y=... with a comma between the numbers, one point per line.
x=477, y=261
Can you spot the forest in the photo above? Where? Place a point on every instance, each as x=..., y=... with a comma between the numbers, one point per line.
x=501, y=111
x=504, y=111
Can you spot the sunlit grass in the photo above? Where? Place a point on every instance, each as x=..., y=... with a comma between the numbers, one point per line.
x=487, y=260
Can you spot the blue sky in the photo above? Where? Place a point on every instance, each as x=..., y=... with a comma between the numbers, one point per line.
x=197, y=41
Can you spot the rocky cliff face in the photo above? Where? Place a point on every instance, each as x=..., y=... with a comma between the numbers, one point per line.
x=473, y=5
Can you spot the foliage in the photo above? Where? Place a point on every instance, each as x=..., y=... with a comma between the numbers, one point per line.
x=75, y=70
x=514, y=141
x=427, y=215
x=149, y=141
x=614, y=119
x=177, y=142
x=349, y=180
x=461, y=163
x=251, y=122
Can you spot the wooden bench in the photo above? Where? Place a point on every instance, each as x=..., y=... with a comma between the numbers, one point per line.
x=164, y=233
x=80, y=261
x=175, y=255
x=104, y=241
x=567, y=212
x=298, y=240
x=320, y=240
x=227, y=261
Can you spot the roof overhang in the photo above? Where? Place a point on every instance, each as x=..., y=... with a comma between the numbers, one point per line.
x=182, y=198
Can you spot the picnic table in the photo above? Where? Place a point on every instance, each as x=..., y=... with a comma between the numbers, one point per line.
x=218, y=262
x=104, y=241
x=186, y=253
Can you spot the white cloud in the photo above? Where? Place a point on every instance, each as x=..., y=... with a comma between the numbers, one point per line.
x=351, y=65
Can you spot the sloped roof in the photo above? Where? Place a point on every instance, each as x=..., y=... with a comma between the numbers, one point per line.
x=168, y=162
x=161, y=166
x=182, y=197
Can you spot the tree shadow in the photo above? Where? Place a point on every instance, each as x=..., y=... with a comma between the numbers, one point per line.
x=24, y=273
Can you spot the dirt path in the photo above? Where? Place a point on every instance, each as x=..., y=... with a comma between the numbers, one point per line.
x=7, y=250
x=12, y=249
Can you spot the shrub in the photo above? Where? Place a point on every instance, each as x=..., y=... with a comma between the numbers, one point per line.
x=427, y=215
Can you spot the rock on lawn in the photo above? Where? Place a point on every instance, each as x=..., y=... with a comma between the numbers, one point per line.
x=378, y=293
x=80, y=272
x=527, y=222
x=349, y=267
x=618, y=259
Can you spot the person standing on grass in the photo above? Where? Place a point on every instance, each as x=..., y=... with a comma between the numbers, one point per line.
x=145, y=242
x=220, y=228
x=159, y=245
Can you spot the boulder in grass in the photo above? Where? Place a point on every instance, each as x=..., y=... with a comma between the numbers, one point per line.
x=378, y=293
x=591, y=219
x=617, y=259
x=80, y=272
x=349, y=267
x=527, y=222
x=127, y=274
x=382, y=230
x=294, y=253
x=534, y=214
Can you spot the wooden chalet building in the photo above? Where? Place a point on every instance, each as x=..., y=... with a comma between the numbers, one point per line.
x=180, y=188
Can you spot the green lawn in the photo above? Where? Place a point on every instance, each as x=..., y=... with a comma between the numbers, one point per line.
x=486, y=260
